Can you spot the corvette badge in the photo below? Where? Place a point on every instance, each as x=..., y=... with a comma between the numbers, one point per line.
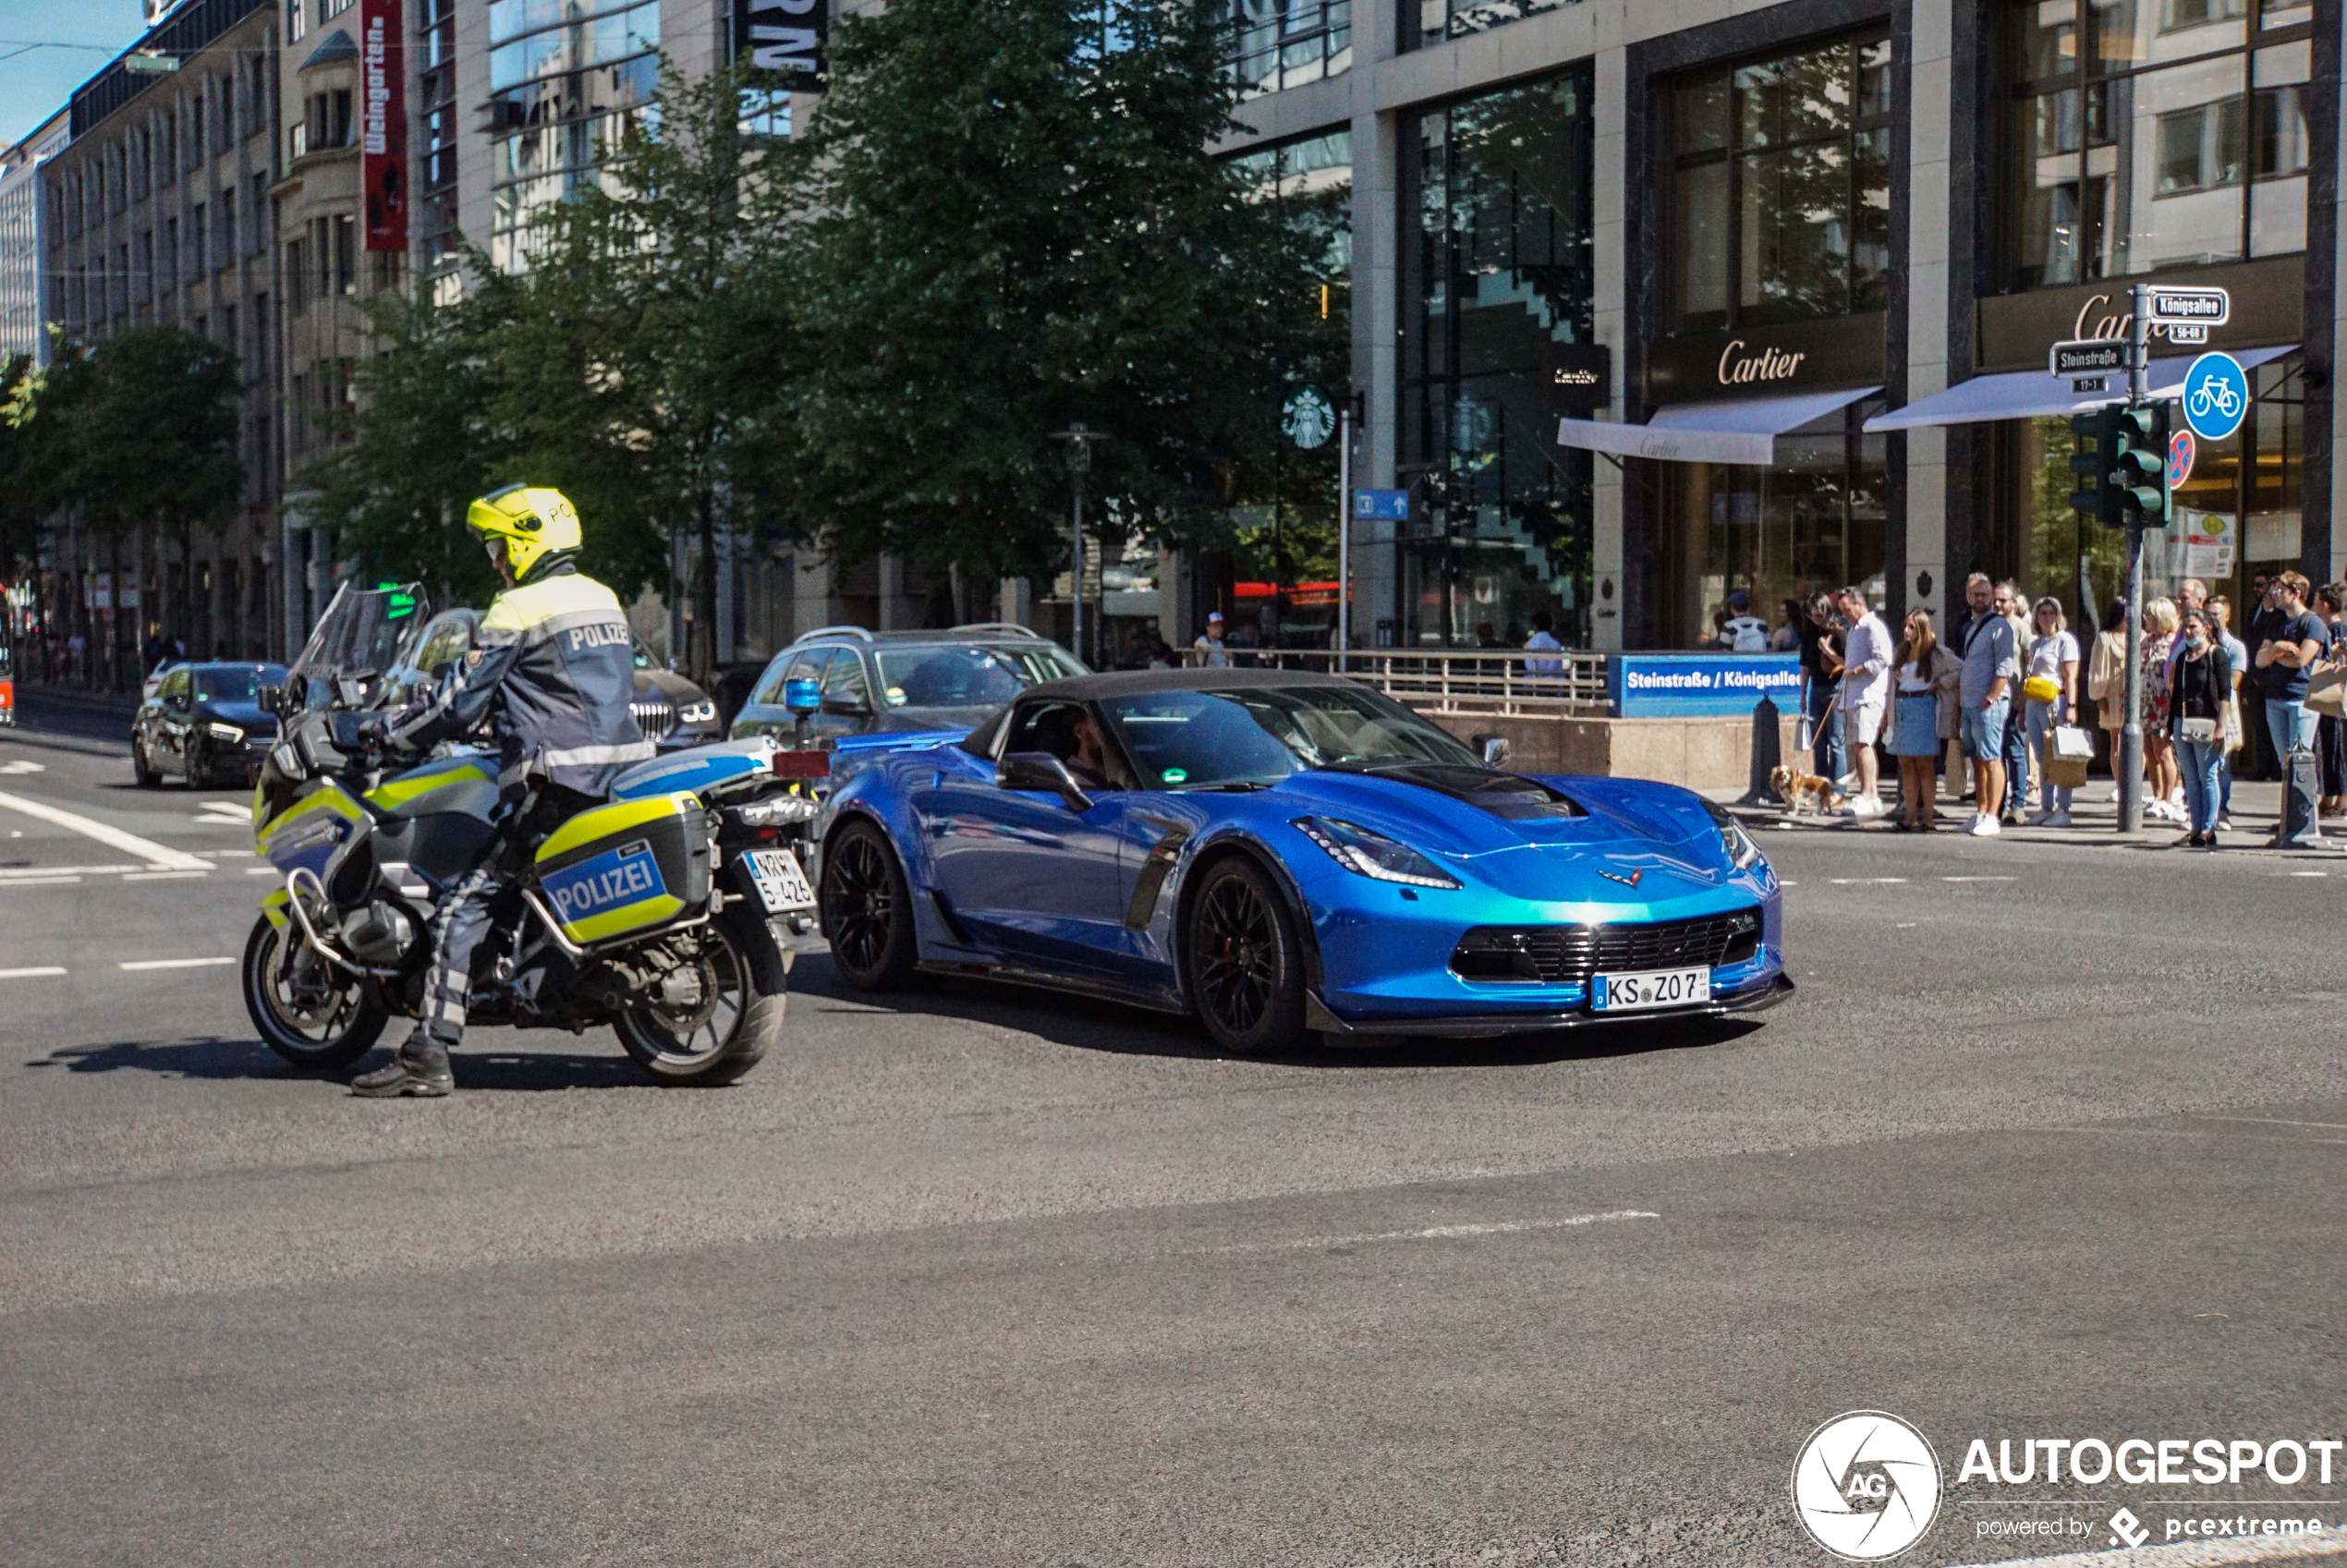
x=1629, y=880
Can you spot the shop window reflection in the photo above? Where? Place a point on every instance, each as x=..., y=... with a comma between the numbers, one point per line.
x=1813, y=519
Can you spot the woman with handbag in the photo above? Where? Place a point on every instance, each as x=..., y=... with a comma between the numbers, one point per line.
x=2051, y=689
x=1924, y=686
x=2202, y=685
x=2161, y=781
x=2107, y=679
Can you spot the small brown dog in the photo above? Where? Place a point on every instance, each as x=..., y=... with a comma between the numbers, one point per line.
x=1804, y=793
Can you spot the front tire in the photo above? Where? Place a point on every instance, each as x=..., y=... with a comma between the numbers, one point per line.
x=868, y=909
x=307, y=1012
x=1242, y=961
x=713, y=1017
x=146, y=776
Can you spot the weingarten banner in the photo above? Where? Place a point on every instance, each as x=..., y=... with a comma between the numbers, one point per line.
x=1661, y=686
x=382, y=124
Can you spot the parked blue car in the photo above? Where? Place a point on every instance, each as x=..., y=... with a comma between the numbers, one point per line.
x=1281, y=852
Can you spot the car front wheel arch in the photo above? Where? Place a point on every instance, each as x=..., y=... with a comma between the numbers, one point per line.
x=1270, y=865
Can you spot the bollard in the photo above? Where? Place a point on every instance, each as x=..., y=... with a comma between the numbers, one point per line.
x=1768, y=751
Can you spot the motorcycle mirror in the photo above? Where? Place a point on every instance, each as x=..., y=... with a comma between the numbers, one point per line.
x=269, y=699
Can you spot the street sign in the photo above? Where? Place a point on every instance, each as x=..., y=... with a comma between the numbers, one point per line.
x=2187, y=332
x=2196, y=306
x=2089, y=384
x=2087, y=357
x=1381, y=505
x=1308, y=419
x=2216, y=397
x=2181, y=450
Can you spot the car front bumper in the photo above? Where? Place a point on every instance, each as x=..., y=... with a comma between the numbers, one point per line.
x=1752, y=997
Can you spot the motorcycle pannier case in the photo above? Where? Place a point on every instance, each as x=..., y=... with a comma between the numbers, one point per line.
x=628, y=867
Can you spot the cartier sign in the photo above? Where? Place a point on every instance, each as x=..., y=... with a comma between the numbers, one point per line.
x=1765, y=361
x=2268, y=305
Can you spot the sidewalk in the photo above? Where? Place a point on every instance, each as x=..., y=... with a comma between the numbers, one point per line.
x=2094, y=815
x=77, y=700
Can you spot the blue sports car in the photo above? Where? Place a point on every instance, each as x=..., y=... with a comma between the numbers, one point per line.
x=1281, y=852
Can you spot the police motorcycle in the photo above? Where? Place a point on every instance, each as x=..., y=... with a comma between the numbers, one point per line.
x=661, y=912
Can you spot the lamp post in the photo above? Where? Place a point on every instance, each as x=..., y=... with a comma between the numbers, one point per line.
x=1079, y=462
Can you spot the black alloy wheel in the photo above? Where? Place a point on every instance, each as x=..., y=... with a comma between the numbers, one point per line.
x=1245, y=964
x=868, y=909
x=140, y=768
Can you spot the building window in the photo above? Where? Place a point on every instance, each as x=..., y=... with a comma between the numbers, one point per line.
x=1497, y=281
x=2150, y=134
x=347, y=253
x=1282, y=43
x=297, y=19
x=297, y=277
x=569, y=79
x=1781, y=189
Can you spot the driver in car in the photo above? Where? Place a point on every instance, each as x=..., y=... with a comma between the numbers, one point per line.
x=551, y=671
x=1086, y=760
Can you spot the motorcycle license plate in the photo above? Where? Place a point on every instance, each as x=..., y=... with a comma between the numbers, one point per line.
x=781, y=886
x=1650, y=988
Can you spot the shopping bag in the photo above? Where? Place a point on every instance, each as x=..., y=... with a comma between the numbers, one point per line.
x=2326, y=688
x=2073, y=743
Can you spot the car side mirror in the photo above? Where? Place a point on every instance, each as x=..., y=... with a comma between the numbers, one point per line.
x=269, y=699
x=1041, y=772
x=847, y=707
x=1494, y=749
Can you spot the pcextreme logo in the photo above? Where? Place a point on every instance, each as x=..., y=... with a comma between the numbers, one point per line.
x=1866, y=1485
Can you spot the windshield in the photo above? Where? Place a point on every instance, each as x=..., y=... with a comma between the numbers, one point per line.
x=1202, y=739
x=959, y=676
x=236, y=684
x=360, y=636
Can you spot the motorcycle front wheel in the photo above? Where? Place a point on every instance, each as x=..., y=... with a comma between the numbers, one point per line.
x=710, y=1017
x=307, y=1012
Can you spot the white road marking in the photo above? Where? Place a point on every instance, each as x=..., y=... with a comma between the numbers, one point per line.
x=2310, y=873
x=21, y=766
x=50, y=882
x=164, y=876
x=112, y=837
x=1979, y=879
x=33, y=973
x=174, y=963
x=261, y=871
x=16, y=872
x=1439, y=1233
x=2202, y=1554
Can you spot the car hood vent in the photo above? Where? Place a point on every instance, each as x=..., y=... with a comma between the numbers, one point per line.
x=1509, y=795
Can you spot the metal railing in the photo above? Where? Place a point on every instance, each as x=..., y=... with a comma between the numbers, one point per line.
x=1564, y=683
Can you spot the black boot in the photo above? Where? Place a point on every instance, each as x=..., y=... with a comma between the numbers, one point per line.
x=421, y=1068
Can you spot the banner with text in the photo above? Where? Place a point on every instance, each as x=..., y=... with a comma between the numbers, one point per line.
x=1664, y=686
x=784, y=36
x=382, y=124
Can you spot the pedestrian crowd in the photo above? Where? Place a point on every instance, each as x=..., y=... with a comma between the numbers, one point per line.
x=2003, y=686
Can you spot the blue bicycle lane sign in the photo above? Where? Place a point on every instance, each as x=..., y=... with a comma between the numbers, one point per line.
x=2216, y=397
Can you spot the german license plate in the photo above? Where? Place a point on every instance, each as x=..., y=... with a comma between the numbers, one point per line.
x=1650, y=988
x=781, y=886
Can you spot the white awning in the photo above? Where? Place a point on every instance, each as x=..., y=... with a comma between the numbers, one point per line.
x=1744, y=432
x=2021, y=394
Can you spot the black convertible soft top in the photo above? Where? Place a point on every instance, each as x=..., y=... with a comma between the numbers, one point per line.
x=1117, y=682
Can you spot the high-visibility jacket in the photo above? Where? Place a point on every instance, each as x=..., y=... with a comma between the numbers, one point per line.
x=552, y=668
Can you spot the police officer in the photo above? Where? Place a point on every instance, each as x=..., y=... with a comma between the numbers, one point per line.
x=552, y=668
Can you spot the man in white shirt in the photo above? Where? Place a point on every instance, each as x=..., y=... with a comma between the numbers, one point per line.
x=1745, y=632
x=1544, y=640
x=1865, y=690
x=1209, y=647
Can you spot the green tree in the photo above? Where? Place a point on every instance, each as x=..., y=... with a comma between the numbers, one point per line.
x=422, y=443
x=641, y=364
x=138, y=431
x=1019, y=225
x=19, y=521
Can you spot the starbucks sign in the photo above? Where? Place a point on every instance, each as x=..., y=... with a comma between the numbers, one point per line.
x=1308, y=419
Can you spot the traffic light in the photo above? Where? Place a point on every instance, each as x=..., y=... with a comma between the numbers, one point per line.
x=2095, y=493
x=2139, y=464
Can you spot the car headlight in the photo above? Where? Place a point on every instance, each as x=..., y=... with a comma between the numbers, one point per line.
x=700, y=713
x=1372, y=854
x=1743, y=853
x=226, y=731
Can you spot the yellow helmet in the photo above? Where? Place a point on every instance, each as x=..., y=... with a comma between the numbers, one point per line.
x=532, y=523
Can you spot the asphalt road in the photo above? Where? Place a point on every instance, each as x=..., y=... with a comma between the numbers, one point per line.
x=2048, y=1143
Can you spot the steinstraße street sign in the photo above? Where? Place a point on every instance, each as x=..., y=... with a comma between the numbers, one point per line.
x=2089, y=362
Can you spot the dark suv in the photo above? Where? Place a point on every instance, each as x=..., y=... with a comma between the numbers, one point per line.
x=892, y=682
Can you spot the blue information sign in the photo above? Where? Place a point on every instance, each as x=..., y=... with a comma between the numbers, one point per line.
x=1661, y=686
x=2216, y=397
x=1381, y=505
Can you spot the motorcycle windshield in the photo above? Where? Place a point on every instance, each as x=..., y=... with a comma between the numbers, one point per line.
x=360, y=636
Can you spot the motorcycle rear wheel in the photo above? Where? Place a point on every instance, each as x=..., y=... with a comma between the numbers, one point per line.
x=315, y=1016
x=724, y=1011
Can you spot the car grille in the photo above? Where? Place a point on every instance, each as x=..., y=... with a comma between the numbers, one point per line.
x=1570, y=955
x=655, y=719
